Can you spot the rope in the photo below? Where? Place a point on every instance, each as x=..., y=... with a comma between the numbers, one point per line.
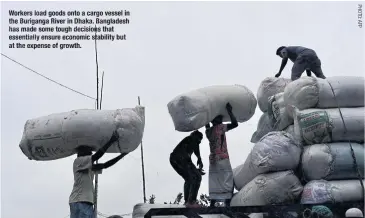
x=356, y=168
x=47, y=77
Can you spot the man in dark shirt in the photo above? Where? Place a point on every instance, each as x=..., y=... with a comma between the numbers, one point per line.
x=303, y=59
x=180, y=160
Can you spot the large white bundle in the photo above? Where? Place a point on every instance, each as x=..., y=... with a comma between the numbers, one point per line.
x=269, y=87
x=332, y=161
x=322, y=191
x=276, y=151
x=139, y=210
x=264, y=126
x=317, y=126
x=266, y=189
x=278, y=113
x=58, y=135
x=194, y=109
x=312, y=92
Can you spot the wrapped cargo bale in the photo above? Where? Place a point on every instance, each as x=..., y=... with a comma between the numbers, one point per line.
x=272, y=188
x=322, y=191
x=263, y=127
x=194, y=109
x=58, y=135
x=276, y=151
x=278, y=113
x=332, y=161
x=312, y=92
x=317, y=126
x=269, y=87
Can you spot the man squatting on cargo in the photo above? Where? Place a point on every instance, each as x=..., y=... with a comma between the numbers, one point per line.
x=180, y=160
x=220, y=169
x=303, y=59
x=82, y=196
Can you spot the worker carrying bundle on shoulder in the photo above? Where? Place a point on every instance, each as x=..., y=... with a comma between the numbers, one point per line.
x=82, y=196
x=180, y=160
x=304, y=59
x=220, y=169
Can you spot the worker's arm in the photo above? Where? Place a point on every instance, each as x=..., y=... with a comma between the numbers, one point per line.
x=109, y=163
x=102, y=150
x=197, y=154
x=283, y=64
x=234, y=122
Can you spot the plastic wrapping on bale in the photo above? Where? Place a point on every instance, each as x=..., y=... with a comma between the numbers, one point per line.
x=311, y=92
x=278, y=113
x=332, y=161
x=276, y=151
x=317, y=126
x=58, y=135
x=269, y=87
x=322, y=191
x=272, y=188
x=263, y=127
x=194, y=109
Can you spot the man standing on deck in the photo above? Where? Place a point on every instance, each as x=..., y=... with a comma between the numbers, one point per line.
x=180, y=160
x=220, y=169
x=82, y=196
x=304, y=59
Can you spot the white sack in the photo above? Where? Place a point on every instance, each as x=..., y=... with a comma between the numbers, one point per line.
x=269, y=87
x=276, y=151
x=317, y=126
x=312, y=92
x=322, y=191
x=58, y=135
x=273, y=188
x=332, y=161
x=278, y=113
x=264, y=126
x=194, y=109
x=139, y=210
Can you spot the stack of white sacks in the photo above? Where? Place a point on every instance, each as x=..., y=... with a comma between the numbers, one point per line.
x=303, y=139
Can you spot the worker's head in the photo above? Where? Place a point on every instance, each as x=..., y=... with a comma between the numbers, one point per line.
x=281, y=52
x=318, y=212
x=84, y=151
x=354, y=212
x=217, y=120
x=197, y=136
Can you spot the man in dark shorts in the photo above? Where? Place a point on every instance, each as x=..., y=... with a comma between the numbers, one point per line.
x=304, y=59
x=180, y=160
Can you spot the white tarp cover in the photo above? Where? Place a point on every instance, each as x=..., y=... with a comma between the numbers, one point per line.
x=322, y=191
x=272, y=188
x=194, y=109
x=139, y=210
x=58, y=135
x=264, y=126
x=332, y=161
x=278, y=113
x=317, y=126
x=269, y=87
x=312, y=92
x=276, y=151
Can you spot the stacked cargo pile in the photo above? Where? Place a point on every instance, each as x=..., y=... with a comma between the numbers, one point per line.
x=329, y=121
x=267, y=176
x=322, y=145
